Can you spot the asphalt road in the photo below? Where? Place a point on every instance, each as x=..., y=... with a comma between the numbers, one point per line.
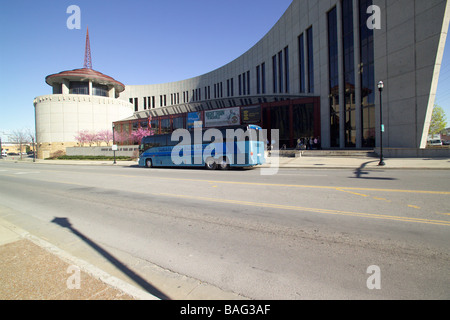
x=300, y=234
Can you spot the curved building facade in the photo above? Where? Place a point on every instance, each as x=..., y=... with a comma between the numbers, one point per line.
x=82, y=100
x=315, y=73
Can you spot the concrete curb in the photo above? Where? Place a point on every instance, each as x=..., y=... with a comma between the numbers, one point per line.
x=352, y=163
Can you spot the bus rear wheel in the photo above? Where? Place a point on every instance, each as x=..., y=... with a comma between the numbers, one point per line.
x=210, y=164
x=148, y=163
x=223, y=164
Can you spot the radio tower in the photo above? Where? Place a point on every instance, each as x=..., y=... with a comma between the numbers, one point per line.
x=87, y=53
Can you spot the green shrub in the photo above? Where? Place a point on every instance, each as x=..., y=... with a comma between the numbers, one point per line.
x=91, y=158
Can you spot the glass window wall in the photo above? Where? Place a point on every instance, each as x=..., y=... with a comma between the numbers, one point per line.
x=367, y=77
x=333, y=77
x=349, y=73
x=78, y=87
x=100, y=90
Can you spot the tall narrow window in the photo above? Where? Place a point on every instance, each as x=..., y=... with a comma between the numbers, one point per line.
x=232, y=87
x=333, y=77
x=310, y=56
x=240, y=84
x=274, y=73
x=349, y=73
x=367, y=71
x=280, y=71
x=248, y=82
x=258, y=80
x=263, y=77
x=286, y=70
x=301, y=62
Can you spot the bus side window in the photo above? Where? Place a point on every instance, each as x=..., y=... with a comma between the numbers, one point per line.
x=160, y=141
x=181, y=141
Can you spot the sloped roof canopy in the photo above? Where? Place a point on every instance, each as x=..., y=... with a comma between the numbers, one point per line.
x=84, y=74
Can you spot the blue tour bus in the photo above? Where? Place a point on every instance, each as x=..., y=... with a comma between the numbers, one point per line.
x=212, y=148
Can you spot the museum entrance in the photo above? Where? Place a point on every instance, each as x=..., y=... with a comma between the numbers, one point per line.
x=298, y=121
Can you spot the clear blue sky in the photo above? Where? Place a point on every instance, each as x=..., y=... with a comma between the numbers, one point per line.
x=135, y=42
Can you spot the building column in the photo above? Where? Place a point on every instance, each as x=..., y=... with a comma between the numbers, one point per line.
x=65, y=86
x=112, y=93
x=90, y=87
x=341, y=77
x=357, y=57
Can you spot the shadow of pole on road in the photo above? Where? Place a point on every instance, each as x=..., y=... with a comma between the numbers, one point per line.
x=65, y=223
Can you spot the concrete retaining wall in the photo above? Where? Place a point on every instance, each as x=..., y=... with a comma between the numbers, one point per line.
x=122, y=151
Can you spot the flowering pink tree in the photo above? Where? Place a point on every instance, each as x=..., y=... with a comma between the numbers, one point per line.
x=82, y=137
x=91, y=138
x=105, y=136
x=121, y=137
x=141, y=133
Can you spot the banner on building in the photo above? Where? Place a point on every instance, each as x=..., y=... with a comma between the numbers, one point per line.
x=223, y=117
x=251, y=115
x=192, y=118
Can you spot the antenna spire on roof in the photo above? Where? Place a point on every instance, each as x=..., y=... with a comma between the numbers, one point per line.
x=87, y=53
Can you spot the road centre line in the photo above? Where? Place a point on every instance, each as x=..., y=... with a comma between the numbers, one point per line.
x=309, y=186
x=275, y=206
x=314, y=210
x=354, y=193
x=344, y=189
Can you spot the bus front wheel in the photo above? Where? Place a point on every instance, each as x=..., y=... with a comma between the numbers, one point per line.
x=210, y=164
x=148, y=163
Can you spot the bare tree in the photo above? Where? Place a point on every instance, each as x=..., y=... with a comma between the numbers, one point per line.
x=31, y=136
x=20, y=138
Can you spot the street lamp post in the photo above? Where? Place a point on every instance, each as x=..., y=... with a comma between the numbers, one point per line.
x=380, y=88
x=114, y=146
x=34, y=149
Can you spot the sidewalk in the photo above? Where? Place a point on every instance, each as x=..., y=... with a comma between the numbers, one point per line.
x=33, y=269
x=359, y=163
x=332, y=162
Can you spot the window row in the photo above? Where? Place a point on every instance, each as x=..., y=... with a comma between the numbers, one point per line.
x=280, y=71
x=79, y=87
x=280, y=78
